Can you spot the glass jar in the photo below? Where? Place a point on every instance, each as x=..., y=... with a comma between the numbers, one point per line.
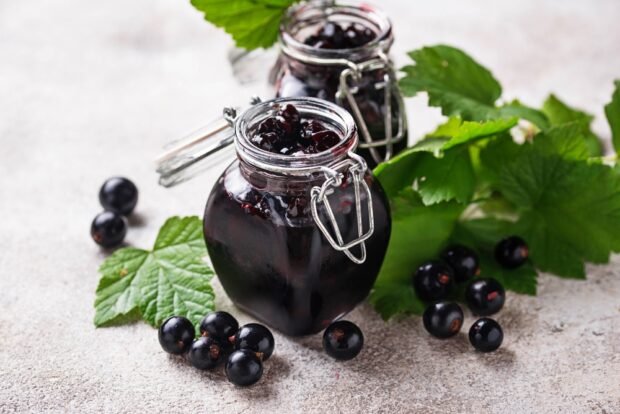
x=296, y=241
x=360, y=79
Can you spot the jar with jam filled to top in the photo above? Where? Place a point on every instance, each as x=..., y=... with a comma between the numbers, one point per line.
x=296, y=226
x=340, y=53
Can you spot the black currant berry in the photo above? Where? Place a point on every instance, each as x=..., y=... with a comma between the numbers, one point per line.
x=485, y=296
x=176, y=335
x=343, y=340
x=243, y=367
x=256, y=338
x=220, y=325
x=118, y=194
x=511, y=252
x=486, y=335
x=108, y=229
x=432, y=281
x=205, y=353
x=443, y=319
x=463, y=260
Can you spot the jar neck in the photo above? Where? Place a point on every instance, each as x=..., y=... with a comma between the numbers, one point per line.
x=294, y=167
x=303, y=19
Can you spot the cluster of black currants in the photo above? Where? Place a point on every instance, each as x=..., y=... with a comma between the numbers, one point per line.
x=118, y=197
x=243, y=349
x=434, y=280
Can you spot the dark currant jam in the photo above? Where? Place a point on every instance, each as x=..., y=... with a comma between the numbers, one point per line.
x=364, y=35
x=272, y=259
x=287, y=134
x=334, y=36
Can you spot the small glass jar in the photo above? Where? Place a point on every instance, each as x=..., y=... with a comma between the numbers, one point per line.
x=296, y=241
x=360, y=79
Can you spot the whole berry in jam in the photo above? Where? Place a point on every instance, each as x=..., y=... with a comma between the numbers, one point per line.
x=486, y=335
x=108, y=229
x=511, y=252
x=176, y=335
x=463, y=261
x=343, y=340
x=485, y=296
x=443, y=319
x=432, y=281
x=118, y=194
x=205, y=353
x=256, y=338
x=219, y=325
x=243, y=368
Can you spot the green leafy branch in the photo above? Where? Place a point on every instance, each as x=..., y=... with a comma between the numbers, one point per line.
x=469, y=182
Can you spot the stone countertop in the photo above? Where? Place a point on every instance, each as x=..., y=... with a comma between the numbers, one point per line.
x=94, y=89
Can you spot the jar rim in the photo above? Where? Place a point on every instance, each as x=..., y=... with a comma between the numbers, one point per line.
x=368, y=12
x=337, y=117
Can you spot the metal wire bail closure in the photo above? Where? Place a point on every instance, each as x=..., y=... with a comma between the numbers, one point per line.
x=356, y=166
x=353, y=72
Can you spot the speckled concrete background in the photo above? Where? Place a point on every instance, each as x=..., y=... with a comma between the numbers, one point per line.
x=91, y=89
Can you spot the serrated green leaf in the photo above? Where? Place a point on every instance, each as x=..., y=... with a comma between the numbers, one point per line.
x=450, y=177
x=460, y=86
x=560, y=113
x=118, y=293
x=402, y=170
x=570, y=210
x=612, y=111
x=251, y=23
x=418, y=233
x=170, y=280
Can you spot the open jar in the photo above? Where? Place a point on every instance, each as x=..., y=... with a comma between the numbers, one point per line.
x=359, y=78
x=295, y=240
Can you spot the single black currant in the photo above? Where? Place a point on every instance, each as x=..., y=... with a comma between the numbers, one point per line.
x=220, y=325
x=243, y=367
x=433, y=280
x=463, y=260
x=118, y=194
x=205, y=353
x=256, y=338
x=343, y=340
x=511, y=252
x=443, y=319
x=486, y=335
x=176, y=335
x=108, y=229
x=485, y=296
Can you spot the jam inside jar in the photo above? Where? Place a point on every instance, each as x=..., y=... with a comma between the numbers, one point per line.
x=339, y=53
x=297, y=240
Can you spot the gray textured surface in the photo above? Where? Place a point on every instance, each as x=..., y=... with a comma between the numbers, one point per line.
x=91, y=89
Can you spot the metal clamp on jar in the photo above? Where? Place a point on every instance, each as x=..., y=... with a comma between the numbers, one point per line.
x=361, y=79
x=276, y=226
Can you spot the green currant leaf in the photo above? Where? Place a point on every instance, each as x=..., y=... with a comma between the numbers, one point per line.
x=251, y=23
x=418, y=233
x=402, y=170
x=560, y=113
x=569, y=209
x=612, y=111
x=460, y=86
x=172, y=279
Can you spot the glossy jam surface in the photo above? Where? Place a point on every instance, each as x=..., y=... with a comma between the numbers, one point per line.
x=287, y=133
x=272, y=259
x=298, y=79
